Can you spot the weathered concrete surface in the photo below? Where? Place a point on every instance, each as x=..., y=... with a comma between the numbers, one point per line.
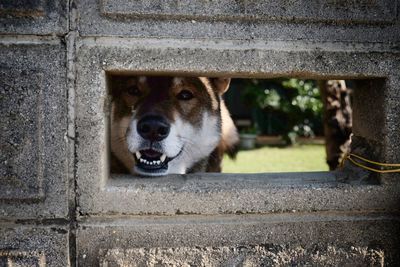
x=360, y=21
x=327, y=211
x=100, y=194
x=235, y=194
x=376, y=125
x=384, y=11
x=392, y=119
x=33, y=159
x=329, y=238
x=392, y=123
x=315, y=219
x=264, y=255
x=41, y=17
x=23, y=245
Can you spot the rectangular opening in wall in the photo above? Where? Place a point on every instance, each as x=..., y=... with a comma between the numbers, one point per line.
x=163, y=124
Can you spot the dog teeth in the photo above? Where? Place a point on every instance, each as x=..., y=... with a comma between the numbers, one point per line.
x=154, y=162
x=150, y=162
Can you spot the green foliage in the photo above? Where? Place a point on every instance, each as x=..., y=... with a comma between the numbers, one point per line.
x=307, y=95
x=250, y=130
x=296, y=103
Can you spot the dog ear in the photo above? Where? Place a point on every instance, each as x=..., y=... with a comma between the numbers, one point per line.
x=221, y=84
x=116, y=85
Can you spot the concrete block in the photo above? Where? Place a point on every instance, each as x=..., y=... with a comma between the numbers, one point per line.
x=384, y=11
x=42, y=17
x=264, y=255
x=392, y=137
x=236, y=58
x=22, y=134
x=34, y=245
x=235, y=194
x=376, y=112
x=22, y=258
x=263, y=240
x=361, y=21
x=212, y=194
x=392, y=126
x=33, y=161
x=367, y=122
x=329, y=219
x=392, y=116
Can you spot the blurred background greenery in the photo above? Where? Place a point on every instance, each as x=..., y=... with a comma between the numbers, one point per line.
x=280, y=114
x=289, y=108
x=297, y=158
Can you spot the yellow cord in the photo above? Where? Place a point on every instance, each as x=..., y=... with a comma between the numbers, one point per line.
x=348, y=156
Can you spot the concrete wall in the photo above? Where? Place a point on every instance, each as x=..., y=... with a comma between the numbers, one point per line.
x=60, y=207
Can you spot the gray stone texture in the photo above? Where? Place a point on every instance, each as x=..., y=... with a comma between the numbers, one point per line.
x=100, y=194
x=33, y=129
x=361, y=12
x=258, y=255
x=23, y=245
x=41, y=17
x=275, y=240
x=22, y=157
x=357, y=21
x=59, y=205
x=392, y=119
x=235, y=194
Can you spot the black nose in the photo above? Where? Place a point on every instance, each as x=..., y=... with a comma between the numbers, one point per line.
x=153, y=128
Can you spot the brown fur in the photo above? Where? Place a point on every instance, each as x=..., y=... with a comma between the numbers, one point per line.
x=157, y=96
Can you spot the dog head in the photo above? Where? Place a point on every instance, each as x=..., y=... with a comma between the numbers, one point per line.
x=172, y=123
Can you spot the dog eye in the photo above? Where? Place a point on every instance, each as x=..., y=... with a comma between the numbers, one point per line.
x=134, y=91
x=185, y=95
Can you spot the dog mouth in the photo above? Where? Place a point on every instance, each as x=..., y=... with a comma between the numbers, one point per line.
x=150, y=159
x=151, y=162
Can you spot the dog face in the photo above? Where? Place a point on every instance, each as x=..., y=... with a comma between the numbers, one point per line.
x=168, y=123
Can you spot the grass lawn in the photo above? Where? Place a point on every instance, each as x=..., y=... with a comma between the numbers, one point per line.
x=278, y=159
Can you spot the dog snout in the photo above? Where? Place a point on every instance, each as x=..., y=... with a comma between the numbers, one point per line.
x=153, y=128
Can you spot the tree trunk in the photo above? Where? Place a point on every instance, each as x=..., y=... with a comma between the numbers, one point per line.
x=337, y=119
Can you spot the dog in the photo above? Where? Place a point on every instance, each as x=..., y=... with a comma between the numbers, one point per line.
x=170, y=125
